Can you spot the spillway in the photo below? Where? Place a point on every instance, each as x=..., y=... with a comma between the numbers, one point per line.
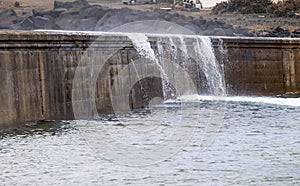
x=60, y=75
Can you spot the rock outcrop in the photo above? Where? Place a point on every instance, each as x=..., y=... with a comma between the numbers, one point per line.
x=82, y=16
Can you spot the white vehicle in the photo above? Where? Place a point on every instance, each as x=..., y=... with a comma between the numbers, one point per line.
x=132, y=2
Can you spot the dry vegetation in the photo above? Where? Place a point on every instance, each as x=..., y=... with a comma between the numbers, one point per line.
x=269, y=8
x=260, y=15
x=290, y=8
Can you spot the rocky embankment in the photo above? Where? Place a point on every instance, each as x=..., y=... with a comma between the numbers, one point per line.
x=80, y=15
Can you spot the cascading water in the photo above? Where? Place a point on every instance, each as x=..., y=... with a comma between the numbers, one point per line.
x=143, y=47
x=182, y=50
x=208, y=63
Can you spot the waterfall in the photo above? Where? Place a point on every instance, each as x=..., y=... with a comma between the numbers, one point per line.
x=208, y=63
x=144, y=49
x=194, y=54
x=142, y=45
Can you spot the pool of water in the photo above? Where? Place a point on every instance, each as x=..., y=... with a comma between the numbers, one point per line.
x=203, y=141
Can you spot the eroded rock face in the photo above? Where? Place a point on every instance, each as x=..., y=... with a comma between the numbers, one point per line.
x=80, y=15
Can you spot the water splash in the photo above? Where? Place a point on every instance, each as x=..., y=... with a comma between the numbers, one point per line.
x=143, y=47
x=289, y=102
x=182, y=50
x=208, y=63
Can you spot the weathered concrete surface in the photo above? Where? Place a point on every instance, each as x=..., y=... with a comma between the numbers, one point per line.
x=259, y=66
x=37, y=72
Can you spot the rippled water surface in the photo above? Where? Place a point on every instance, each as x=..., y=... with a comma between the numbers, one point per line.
x=254, y=142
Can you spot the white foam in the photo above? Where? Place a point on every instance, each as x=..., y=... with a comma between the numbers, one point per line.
x=294, y=102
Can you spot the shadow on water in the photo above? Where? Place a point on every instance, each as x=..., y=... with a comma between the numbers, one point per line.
x=44, y=127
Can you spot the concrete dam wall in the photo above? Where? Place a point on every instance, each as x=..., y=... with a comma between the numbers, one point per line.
x=67, y=75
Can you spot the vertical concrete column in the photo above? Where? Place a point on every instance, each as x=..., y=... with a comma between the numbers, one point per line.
x=289, y=70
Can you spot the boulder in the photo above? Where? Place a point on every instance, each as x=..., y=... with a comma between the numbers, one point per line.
x=216, y=32
x=42, y=12
x=296, y=33
x=199, y=22
x=56, y=12
x=279, y=32
x=85, y=24
x=7, y=13
x=103, y=20
x=116, y=18
x=167, y=17
x=7, y=18
x=46, y=22
x=193, y=28
x=109, y=21
x=78, y=4
x=17, y=4
x=178, y=21
x=240, y=31
x=66, y=19
x=22, y=17
x=96, y=12
x=38, y=22
x=210, y=25
x=26, y=23
x=79, y=15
